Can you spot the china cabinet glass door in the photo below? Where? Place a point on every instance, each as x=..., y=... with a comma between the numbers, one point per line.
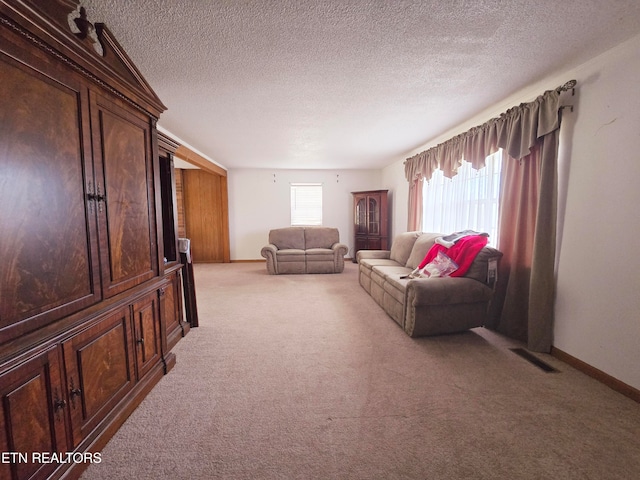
x=374, y=217
x=361, y=216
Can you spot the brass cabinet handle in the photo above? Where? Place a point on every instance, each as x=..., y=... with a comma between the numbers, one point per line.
x=96, y=197
x=73, y=393
x=58, y=405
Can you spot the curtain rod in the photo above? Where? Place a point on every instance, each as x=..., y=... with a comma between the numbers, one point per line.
x=570, y=85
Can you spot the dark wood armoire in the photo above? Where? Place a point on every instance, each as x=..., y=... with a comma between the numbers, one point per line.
x=90, y=284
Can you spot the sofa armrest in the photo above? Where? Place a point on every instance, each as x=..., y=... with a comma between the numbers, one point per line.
x=372, y=254
x=446, y=291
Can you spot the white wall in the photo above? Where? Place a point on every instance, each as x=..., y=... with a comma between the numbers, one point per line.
x=597, y=314
x=393, y=177
x=259, y=200
x=598, y=299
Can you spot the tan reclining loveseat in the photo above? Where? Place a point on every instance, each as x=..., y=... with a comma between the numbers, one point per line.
x=427, y=306
x=304, y=250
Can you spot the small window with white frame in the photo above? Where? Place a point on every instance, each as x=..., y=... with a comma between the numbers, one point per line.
x=306, y=204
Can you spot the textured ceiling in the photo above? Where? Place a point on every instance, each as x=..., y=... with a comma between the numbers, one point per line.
x=351, y=83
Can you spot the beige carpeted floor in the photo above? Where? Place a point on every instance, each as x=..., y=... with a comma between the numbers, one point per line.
x=305, y=377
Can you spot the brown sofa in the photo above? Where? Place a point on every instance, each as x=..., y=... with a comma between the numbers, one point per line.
x=427, y=306
x=304, y=250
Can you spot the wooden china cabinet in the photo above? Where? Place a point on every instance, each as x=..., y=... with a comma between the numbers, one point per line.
x=371, y=223
x=90, y=286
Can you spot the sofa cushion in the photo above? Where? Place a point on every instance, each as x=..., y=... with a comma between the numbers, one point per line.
x=319, y=251
x=391, y=271
x=395, y=285
x=388, y=276
x=420, y=248
x=320, y=237
x=402, y=245
x=369, y=263
x=290, y=255
x=287, y=238
x=319, y=254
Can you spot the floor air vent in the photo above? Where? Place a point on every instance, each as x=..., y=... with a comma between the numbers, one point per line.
x=533, y=359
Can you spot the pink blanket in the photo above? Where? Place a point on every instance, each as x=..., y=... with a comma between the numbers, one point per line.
x=463, y=252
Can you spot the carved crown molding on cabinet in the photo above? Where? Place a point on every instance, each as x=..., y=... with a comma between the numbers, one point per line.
x=61, y=29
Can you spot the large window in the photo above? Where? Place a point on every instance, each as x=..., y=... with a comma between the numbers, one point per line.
x=306, y=204
x=469, y=200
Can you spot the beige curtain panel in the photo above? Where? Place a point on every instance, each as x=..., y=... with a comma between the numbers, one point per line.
x=528, y=134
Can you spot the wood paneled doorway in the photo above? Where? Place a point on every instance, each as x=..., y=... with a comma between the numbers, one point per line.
x=206, y=215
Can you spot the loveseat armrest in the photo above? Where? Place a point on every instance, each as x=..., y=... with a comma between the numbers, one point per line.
x=339, y=251
x=269, y=252
x=372, y=254
x=446, y=291
x=270, y=249
x=340, y=248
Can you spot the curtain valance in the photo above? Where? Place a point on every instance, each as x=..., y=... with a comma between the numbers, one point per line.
x=515, y=131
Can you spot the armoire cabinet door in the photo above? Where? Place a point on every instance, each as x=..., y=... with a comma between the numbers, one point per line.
x=171, y=308
x=32, y=415
x=124, y=186
x=146, y=330
x=50, y=261
x=100, y=370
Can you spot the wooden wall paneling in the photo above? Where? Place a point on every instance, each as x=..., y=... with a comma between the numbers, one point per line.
x=224, y=219
x=182, y=229
x=206, y=216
